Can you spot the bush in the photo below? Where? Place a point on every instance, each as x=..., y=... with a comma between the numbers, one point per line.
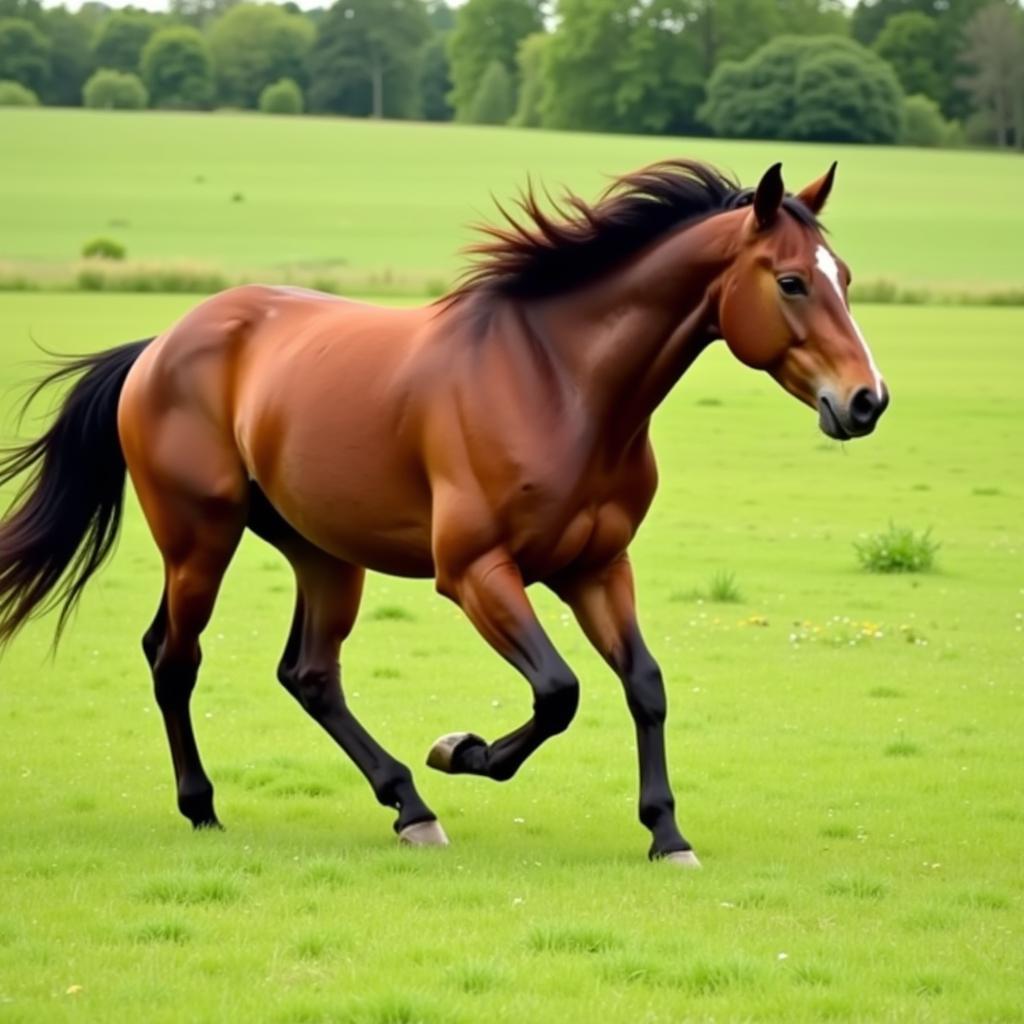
x=923, y=123
x=813, y=88
x=114, y=90
x=14, y=94
x=283, y=97
x=103, y=249
x=898, y=549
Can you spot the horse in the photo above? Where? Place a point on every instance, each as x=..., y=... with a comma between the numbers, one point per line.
x=493, y=439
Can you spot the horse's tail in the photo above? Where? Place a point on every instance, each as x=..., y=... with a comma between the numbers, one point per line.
x=64, y=519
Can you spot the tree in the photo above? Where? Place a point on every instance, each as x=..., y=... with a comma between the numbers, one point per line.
x=493, y=101
x=120, y=39
x=199, y=13
x=486, y=31
x=951, y=16
x=114, y=90
x=24, y=54
x=363, y=61
x=253, y=46
x=994, y=54
x=616, y=65
x=14, y=94
x=440, y=15
x=910, y=42
x=28, y=10
x=734, y=29
x=532, y=80
x=70, y=56
x=282, y=97
x=434, y=82
x=806, y=87
x=176, y=69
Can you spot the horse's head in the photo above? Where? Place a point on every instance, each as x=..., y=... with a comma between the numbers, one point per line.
x=783, y=308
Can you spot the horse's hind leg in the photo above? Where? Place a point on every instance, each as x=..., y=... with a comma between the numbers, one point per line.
x=194, y=567
x=326, y=606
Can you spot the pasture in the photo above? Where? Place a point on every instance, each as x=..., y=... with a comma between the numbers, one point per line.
x=385, y=203
x=845, y=746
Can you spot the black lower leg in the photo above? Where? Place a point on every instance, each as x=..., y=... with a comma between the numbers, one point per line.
x=645, y=694
x=174, y=680
x=319, y=692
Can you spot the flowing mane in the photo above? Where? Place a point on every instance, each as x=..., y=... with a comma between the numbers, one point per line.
x=546, y=253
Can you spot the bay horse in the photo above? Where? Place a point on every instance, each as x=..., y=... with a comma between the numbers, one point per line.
x=496, y=438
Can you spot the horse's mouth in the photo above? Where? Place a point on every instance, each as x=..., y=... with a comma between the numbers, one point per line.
x=829, y=421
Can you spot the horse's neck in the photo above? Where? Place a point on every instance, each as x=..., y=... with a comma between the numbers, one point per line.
x=627, y=340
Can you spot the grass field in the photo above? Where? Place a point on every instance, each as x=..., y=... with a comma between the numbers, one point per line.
x=845, y=747
x=392, y=200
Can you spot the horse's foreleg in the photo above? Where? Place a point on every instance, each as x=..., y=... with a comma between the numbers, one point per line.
x=605, y=606
x=328, y=602
x=492, y=595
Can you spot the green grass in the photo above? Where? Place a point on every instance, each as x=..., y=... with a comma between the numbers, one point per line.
x=855, y=797
x=390, y=201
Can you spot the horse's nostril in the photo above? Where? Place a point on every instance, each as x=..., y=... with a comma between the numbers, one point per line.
x=865, y=407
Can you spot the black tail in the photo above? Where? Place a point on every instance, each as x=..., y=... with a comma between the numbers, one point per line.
x=65, y=517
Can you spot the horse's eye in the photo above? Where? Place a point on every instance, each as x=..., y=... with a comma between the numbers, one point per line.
x=792, y=285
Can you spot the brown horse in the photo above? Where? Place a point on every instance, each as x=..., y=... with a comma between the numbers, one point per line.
x=494, y=439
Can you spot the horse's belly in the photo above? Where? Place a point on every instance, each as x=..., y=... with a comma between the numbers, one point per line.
x=368, y=512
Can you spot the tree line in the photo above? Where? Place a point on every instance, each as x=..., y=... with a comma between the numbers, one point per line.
x=924, y=72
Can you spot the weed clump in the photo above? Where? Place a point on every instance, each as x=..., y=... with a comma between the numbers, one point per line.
x=897, y=549
x=104, y=249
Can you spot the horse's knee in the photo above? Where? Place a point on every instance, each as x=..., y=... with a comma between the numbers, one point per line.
x=317, y=690
x=174, y=678
x=557, y=702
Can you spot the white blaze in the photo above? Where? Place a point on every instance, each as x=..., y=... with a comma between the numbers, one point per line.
x=826, y=263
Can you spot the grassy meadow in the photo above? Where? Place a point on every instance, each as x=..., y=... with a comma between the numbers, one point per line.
x=846, y=751
x=845, y=746
x=389, y=203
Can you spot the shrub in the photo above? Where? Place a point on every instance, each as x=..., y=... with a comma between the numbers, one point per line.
x=103, y=249
x=283, y=97
x=923, y=123
x=898, y=549
x=114, y=90
x=814, y=88
x=14, y=94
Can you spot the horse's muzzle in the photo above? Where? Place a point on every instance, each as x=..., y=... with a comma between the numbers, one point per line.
x=855, y=418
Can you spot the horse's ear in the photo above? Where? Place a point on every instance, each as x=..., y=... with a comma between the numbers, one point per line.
x=815, y=194
x=768, y=197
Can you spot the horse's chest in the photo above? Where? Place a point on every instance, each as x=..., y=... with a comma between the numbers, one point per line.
x=551, y=531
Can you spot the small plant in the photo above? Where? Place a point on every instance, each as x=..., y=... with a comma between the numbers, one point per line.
x=723, y=589
x=898, y=549
x=104, y=249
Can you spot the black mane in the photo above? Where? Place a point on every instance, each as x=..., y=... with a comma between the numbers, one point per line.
x=546, y=253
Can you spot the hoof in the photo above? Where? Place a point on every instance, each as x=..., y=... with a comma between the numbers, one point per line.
x=686, y=859
x=207, y=825
x=442, y=753
x=423, y=833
